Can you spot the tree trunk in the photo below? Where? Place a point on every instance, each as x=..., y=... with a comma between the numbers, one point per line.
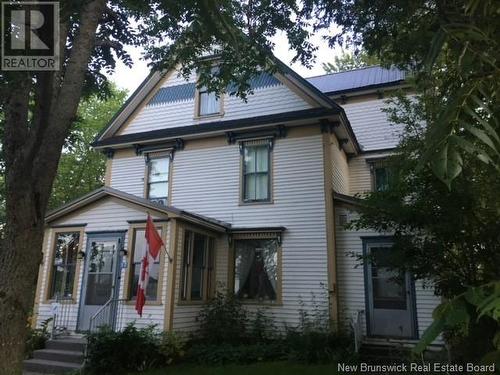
x=32, y=150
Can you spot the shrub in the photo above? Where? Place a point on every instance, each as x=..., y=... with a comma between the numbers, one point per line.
x=318, y=346
x=132, y=349
x=36, y=338
x=172, y=347
x=222, y=320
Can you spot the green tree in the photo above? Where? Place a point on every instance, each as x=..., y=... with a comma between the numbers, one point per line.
x=450, y=238
x=453, y=49
x=81, y=169
x=350, y=60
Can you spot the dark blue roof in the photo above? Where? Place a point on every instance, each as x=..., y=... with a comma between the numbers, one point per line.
x=357, y=79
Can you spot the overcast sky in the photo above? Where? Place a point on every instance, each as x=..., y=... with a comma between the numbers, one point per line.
x=129, y=79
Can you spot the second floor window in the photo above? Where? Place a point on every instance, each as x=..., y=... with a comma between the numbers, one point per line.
x=64, y=264
x=381, y=177
x=157, y=180
x=256, y=172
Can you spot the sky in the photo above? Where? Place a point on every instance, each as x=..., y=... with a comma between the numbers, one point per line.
x=130, y=78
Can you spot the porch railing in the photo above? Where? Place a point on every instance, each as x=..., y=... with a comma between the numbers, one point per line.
x=61, y=316
x=357, y=329
x=110, y=314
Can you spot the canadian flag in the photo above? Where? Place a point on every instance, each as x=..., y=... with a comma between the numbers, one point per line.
x=153, y=246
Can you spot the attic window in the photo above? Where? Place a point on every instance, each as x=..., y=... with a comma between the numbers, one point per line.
x=208, y=103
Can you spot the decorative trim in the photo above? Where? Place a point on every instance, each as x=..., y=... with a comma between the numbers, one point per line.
x=68, y=226
x=278, y=131
x=144, y=221
x=328, y=126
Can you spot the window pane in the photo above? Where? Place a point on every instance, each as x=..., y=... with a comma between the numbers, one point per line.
x=158, y=190
x=198, y=266
x=154, y=274
x=158, y=169
x=389, y=285
x=186, y=262
x=250, y=162
x=102, y=257
x=256, y=269
x=99, y=288
x=262, y=184
x=262, y=156
x=209, y=104
x=381, y=179
x=250, y=193
x=65, y=254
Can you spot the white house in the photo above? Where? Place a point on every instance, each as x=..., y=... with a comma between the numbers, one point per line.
x=249, y=196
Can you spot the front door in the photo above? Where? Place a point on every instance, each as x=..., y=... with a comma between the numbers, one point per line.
x=100, y=279
x=390, y=295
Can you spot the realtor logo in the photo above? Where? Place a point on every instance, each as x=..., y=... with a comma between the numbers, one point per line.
x=30, y=35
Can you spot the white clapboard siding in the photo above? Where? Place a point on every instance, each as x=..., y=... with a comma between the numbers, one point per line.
x=264, y=101
x=340, y=168
x=371, y=126
x=351, y=283
x=108, y=214
x=207, y=182
x=127, y=174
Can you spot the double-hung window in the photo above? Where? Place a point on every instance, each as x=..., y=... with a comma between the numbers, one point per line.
x=197, y=267
x=256, y=165
x=256, y=270
x=64, y=264
x=381, y=175
x=157, y=179
x=139, y=244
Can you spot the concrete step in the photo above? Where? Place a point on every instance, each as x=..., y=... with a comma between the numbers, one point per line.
x=45, y=366
x=59, y=355
x=71, y=344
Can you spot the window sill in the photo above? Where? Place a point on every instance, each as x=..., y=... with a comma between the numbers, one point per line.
x=255, y=203
x=49, y=301
x=213, y=115
x=150, y=303
x=261, y=303
x=191, y=303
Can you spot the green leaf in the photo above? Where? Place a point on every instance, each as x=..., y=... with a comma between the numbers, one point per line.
x=430, y=334
x=435, y=48
x=482, y=136
x=447, y=163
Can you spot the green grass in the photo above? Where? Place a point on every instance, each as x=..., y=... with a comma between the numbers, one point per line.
x=272, y=368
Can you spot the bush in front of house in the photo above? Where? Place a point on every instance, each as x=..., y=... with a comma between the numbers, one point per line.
x=130, y=350
x=230, y=334
x=36, y=338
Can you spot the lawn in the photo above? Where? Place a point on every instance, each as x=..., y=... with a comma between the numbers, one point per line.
x=272, y=368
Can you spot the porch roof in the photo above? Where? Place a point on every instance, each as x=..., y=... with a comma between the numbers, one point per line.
x=170, y=211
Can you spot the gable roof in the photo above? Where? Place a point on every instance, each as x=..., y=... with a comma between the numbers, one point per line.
x=170, y=211
x=371, y=77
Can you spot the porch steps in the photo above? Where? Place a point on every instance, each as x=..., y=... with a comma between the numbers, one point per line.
x=60, y=356
x=384, y=352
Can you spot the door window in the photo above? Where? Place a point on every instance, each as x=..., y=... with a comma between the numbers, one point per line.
x=101, y=264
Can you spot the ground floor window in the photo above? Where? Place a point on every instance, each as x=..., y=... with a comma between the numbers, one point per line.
x=66, y=249
x=197, y=267
x=256, y=269
x=139, y=244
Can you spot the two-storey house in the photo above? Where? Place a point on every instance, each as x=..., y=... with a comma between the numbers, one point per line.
x=250, y=197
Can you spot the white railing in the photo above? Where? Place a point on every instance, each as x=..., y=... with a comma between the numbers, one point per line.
x=61, y=316
x=110, y=314
x=357, y=329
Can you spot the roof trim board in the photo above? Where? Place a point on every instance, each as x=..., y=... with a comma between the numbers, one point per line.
x=170, y=211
